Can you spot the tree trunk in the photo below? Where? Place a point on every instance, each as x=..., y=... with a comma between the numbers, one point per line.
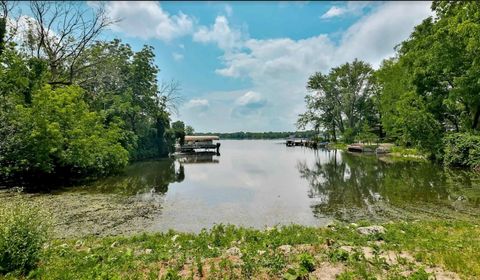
x=476, y=118
x=3, y=32
x=334, y=134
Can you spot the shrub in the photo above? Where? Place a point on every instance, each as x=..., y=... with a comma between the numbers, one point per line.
x=57, y=133
x=23, y=230
x=307, y=262
x=462, y=150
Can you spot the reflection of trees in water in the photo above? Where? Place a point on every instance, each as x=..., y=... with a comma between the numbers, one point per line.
x=143, y=177
x=350, y=187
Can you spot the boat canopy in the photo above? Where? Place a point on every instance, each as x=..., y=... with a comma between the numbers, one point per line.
x=201, y=138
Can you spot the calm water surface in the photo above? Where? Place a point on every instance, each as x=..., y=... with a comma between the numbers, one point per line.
x=262, y=183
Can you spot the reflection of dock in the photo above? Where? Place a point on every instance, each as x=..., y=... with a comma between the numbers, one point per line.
x=206, y=157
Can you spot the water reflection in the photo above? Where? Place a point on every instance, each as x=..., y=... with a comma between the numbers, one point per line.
x=350, y=187
x=149, y=177
x=206, y=157
x=258, y=183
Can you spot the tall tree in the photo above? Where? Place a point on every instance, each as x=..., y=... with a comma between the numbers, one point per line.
x=443, y=53
x=59, y=32
x=341, y=100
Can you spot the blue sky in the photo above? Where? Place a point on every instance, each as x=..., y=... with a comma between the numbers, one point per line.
x=243, y=66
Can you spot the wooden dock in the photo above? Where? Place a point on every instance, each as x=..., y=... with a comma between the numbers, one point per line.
x=292, y=141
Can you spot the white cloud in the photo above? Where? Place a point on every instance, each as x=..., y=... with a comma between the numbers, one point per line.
x=351, y=8
x=333, y=12
x=198, y=104
x=250, y=104
x=279, y=68
x=147, y=20
x=250, y=98
x=177, y=56
x=374, y=37
x=220, y=33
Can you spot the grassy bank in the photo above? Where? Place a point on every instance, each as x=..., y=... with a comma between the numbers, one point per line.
x=419, y=250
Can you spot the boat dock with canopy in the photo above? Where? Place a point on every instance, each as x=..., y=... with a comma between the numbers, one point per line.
x=204, y=143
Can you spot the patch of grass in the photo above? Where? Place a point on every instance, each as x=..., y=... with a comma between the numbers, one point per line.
x=23, y=231
x=454, y=246
x=338, y=146
x=410, y=153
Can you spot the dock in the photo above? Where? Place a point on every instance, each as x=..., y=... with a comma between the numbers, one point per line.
x=199, y=144
x=293, y=141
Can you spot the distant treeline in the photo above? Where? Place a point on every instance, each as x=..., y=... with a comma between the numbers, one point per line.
x=261, y=135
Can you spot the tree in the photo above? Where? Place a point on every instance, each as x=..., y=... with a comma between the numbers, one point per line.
x=406, y=116
x=59, y=32
x=189, y=130
x=341, y=100
x=69, y=105
x=124, y=85
x=443, y=55
x=178, y=129
x=3, y=24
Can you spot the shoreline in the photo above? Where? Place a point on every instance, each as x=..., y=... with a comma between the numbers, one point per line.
x=400, y=250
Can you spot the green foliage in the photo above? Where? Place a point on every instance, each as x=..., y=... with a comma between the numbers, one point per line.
x=3, y=33
x=430, y=88
x=341, y=101
x=366, y=135
x=449, y=244
x=307, y=262
x=178, y=129
x=111, y=111
x=462, y=150
x=442, y=55
x=189, y=130
x=58, y=133
x=23, y=230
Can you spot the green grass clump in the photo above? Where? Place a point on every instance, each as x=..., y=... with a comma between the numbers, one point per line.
x=23, y=231
x=338, y=146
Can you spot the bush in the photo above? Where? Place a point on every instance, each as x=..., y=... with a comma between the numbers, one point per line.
x=58, y=133
x=462, y=150
x=23, y=230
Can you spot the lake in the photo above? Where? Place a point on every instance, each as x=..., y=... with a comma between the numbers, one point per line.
x=259, y=183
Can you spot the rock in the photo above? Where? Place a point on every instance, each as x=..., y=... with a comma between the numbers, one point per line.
x=234, y=251
x=286, y=249
x=371, y=230
x=148, y=251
